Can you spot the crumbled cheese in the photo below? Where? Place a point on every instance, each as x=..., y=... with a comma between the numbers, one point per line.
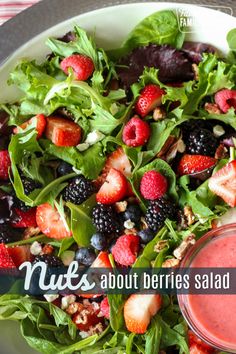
x=84, y=334
x=35, y=248
x=66, y=301
x=82, y=147
x=94, y=137
x=79, y=172
x=218, y=130
x=128, y=224
x=51, y=297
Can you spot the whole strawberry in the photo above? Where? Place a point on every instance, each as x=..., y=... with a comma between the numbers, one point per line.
x=82, y=66
x=136, y=132
x=5, y=259
x=5, y=164
x=150, y=98
x=153, y=185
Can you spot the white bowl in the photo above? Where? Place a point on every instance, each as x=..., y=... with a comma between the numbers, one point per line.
x=111, y=26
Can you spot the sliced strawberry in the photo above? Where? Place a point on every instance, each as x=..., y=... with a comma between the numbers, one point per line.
x=5, y=164
x=81, y=65
x=225, y=99
x=40, y=125
x=105, y=308
x=190, y=164
x=63, y=132
x=25, y=218
x=194, y=340
x=118, y=160
x=113, y=189
x=223, y=183
x=19, y=254
x=5, y=259
x=228, y=218
x=138, y=311
x=102, y=261
x=198, y=349
x=50, y=222
x=149, y=99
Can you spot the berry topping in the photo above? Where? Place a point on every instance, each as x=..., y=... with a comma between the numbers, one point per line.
x=146, y=235
x=81, y=65
x=99, y=241
x=85, y=256
x=64, y=169
x=190, y=164
x=8, y=235
x=138, y=311
x=225, y=99
x=222, y=183
x=63, y=132
x=158, y=211
x=113, y=189
x=25, y=218
x=105, y=308
x=201, y=142
x=105, y=219
x=86, y=316
x=118, y=160
x=136, y=132
x=51, y=223
x=5, y=164
x=78, y=190
x=153, y=185
x=133, y=213
x=125, y=249
x=29, y=186
x=19, y=254
x=40, y=122
x=51, y=260
x=149, y=99
x=5, y=259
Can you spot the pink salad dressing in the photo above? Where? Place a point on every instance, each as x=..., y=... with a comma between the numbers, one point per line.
x=215, y=315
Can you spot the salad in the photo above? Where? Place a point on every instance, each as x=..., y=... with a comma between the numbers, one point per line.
x=114, y=159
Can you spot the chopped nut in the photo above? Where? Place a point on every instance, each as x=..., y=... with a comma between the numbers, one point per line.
x=221, y=152
x=196, y=71
x=31, y=231
x=143, y=223
x=180, y=251
x=97, y=329
x=171, y=263
x=188, y=213
x=166, y=147
x=159, y=113
x=120, y=207
x=181, y=147
x=218, y=130
x=73, y=308
x=212, y=108
x=66, y=301
x=160, y=245
x=132, y=231
x=47, y=249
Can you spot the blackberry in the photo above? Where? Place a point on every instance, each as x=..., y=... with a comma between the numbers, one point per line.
x=201, y=142
x=105, y=219
x=8, y=234
x=78, y=190
x=29, y=186
x=193, y=124
x=49, y=259
x=158, y=211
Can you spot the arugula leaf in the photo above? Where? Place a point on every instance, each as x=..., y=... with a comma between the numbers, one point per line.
x=170, y=337
x=81, y=223
x=153, y=337
x=116, y=302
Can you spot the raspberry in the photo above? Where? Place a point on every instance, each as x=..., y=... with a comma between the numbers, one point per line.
x=5, y=164
x=153, y=185
x=105, y=308
x=81, y=65
x=136, y=132
x=125, y=249
x=226, y=99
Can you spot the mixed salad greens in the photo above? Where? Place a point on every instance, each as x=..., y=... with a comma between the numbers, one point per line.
x=92, y=131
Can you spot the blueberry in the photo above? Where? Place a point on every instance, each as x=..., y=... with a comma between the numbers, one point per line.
x=146, y=235
x=99, y=241
x=85, y=256
x=133, y=213
x=64, y=169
